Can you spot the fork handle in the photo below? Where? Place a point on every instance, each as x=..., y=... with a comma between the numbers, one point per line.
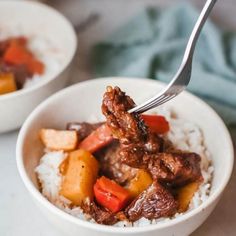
x=197, y=29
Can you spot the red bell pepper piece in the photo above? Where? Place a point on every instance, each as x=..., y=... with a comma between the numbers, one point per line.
x=18, y=54
x=98, y=139
x=156, y=123
x=111, y=195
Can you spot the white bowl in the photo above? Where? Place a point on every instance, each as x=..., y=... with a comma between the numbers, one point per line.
x=78, y=103
x=39, y=19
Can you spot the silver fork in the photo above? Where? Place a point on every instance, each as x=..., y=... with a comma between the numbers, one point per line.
x=183, y=75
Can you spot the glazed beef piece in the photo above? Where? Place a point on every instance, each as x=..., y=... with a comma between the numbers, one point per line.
x=134, y=136
x=84, y=129
x=137, y=155
x=128, y=128
x=133, y=156
x=153, y=203
x=111, y=165
x=176, y=168
x=99, y=214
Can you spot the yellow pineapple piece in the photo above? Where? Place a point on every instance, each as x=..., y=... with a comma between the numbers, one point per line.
x=7, y=83
x=185, y=195
x=140, y=183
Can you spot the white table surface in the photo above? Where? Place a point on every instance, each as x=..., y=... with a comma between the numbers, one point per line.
x=18, y=215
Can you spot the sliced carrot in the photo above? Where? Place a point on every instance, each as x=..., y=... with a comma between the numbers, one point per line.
x=18, y=54
x=98, y=139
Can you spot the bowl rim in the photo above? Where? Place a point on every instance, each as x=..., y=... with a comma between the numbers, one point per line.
x=112, y=229
x=68, y=24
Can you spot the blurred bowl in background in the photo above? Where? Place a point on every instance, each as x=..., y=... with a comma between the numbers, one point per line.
x=35, y=19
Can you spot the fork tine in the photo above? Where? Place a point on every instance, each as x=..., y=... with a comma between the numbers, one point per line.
x=143, y=106
x=161, y=101
x=157, y=101
x=147, y=107
x=165, y=100
x=154, y=103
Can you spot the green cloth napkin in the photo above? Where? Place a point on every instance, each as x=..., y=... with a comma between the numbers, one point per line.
x=152, y=45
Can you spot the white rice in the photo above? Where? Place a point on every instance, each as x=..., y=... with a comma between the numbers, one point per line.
x=183, y=134
x=42, y=47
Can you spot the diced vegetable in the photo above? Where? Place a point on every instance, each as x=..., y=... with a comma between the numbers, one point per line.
x=185, y=195
x=66, y=140
x=63, y=166
x=7, y=83
x=111, y=195
x=156, y=123
x=99, y=138
x=79, y=176
x=141, y=182
x=18, y=54
x=35, y=66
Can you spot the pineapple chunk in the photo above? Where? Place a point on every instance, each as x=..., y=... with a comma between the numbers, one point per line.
x=7, y=83
x=140, y=183
x=66, y=140
x=79, y=173
x=185, y=195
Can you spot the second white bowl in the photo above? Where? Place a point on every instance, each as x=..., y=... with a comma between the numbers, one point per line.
x=35, y=19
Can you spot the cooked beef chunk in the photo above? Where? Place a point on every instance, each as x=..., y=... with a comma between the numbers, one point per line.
x=175, y=169
x=128, y=128
x=133, y=155
x=112, y=167
x=136, y=155
x=133, y=134
x=84, y=129
x=153, y=203
x=100, y=215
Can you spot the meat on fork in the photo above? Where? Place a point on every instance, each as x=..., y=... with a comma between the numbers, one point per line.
x=128, y=128
x=143, y=149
